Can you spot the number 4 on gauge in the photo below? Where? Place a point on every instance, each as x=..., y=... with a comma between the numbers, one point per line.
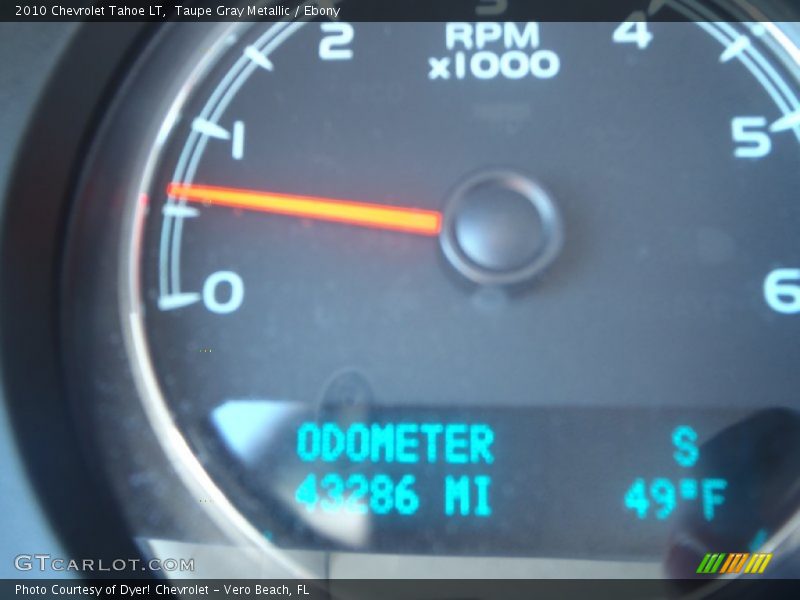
x=634, y=31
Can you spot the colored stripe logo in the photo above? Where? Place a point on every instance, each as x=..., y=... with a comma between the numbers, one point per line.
x=722, y=563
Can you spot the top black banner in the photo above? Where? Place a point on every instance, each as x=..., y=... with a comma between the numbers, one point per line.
x=392, y=10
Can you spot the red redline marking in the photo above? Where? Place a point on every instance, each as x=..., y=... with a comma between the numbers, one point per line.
x=363, y=214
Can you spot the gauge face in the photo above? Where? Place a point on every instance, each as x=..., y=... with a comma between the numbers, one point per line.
x=452, y=288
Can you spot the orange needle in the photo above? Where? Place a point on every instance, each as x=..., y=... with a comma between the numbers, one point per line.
x=376, y=216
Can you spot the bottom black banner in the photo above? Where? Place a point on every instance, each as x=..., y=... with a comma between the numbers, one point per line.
x=387, y=589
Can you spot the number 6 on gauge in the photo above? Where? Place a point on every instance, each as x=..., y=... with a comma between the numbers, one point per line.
x=782, y=291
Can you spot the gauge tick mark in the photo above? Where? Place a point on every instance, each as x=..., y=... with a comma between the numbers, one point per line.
x=258, y=58
x=786, y=122
x=210, y=129
x=179, y=211
x=735, y=48
x=173, y=301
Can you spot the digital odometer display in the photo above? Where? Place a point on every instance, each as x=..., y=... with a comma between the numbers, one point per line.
x=524, y=289
x=480, y=481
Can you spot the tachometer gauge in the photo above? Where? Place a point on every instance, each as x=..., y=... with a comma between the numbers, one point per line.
x=437, y=290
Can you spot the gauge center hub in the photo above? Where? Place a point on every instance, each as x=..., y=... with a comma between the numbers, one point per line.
x=500, y=228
